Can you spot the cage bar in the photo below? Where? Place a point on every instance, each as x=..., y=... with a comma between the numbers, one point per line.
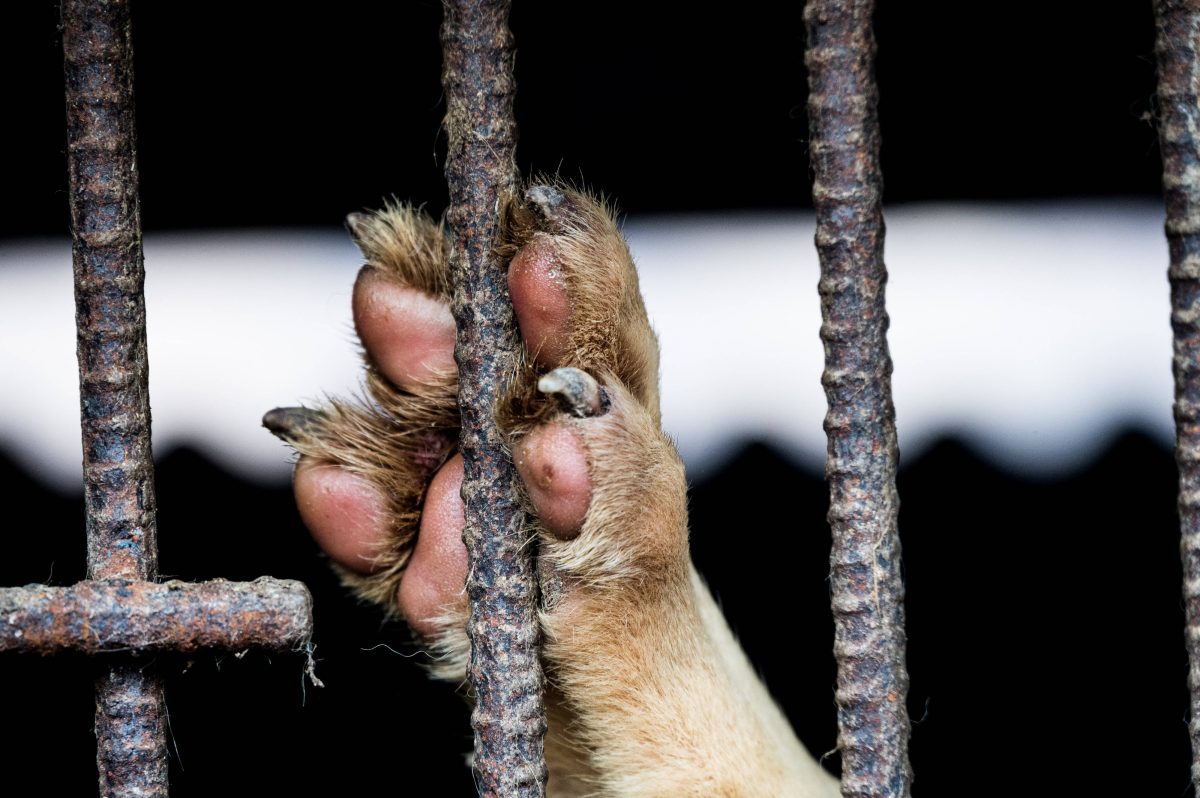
x=97, y=617
x=110, y=319
x=509, y=718
x=867, y=592
x=1177, y=24
x=120, y=608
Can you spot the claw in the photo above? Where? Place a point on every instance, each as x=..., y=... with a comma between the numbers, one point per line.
x=549, y=203
x=577, y=392
x=293, y=424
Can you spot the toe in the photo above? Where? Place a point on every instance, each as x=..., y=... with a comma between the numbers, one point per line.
x=345, y=513
x=407, y=333
x=539, y=294
x=433, y=581
x=553, y=464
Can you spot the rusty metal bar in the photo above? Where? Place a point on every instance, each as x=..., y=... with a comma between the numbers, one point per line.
x=509, y=718
x=121, y=608
x=110, y=317
x=868, y=608
x=150, y=617
x=110, y=313
x=1178, y=29
x=130, y=747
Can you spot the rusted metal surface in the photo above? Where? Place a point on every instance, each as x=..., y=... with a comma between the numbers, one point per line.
x=149, y=617
x=110, y=313
x=1178, y=26
x=509, y=718
x=130, y=732
x=110, y=319
x=868, y=608
x=121, y=609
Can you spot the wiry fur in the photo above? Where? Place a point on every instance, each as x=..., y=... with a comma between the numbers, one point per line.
x=610, y=333
x=406, y=244
x=649, y=694
x=400, y=439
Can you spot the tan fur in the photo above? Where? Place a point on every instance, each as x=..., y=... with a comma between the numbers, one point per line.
x=649, y=694
x=407, y=245
x=610, y=332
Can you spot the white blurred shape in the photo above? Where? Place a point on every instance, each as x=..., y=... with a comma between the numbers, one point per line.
x=237, y=323
x=1031, y=331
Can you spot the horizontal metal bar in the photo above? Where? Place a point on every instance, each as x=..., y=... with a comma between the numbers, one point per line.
x=146, y=617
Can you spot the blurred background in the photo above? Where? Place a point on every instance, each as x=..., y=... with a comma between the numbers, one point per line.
x=1030, y=337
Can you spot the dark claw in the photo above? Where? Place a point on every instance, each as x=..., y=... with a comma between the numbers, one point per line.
x=577, y=392
x=293, y=424
x=549, y=203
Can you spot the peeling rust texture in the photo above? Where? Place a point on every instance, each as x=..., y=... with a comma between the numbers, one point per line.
x=868, y=609
x=110, y=318
x=1178, y=26
x=509, y=718
x=148, y=617
x=130, y=733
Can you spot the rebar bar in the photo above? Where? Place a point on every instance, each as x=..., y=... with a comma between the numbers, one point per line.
x=110, y=318
x=505, y=671
x=1178, y=29
x=121, y=608
x=867, y=592
x=151, y=617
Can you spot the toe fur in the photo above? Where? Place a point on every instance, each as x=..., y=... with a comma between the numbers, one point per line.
x=405, y=243
x=610, y=331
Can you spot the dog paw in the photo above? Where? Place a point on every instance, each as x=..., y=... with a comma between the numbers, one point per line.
x=648, y=692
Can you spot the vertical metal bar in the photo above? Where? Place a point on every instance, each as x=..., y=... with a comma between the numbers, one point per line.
x=509, y=718
x=131, y=743
x=110, y=312
x=1178, y=36
x=110, y=319
x=868, y=608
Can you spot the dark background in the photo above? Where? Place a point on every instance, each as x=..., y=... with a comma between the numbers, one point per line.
x=1044, y=616
x=254, y=114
